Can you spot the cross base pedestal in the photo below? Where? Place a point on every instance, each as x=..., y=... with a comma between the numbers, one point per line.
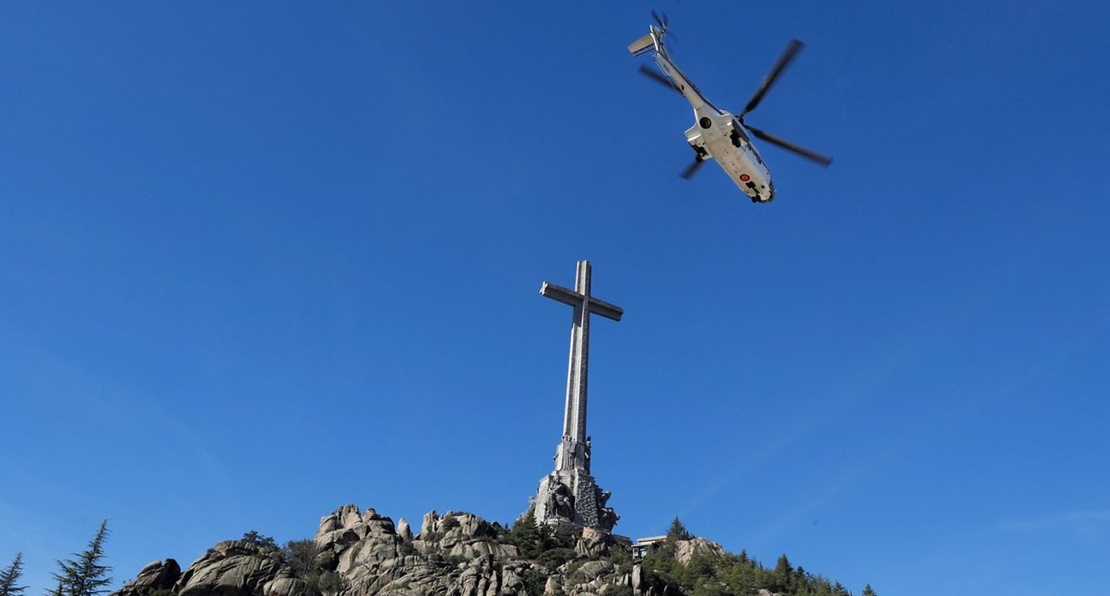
x=573, y=498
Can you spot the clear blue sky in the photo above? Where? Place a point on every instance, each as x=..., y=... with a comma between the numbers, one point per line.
x=260, y=261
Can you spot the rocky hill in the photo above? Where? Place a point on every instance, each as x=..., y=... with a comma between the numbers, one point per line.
x=361, y=553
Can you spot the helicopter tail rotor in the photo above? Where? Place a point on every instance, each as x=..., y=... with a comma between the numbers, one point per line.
x=664, y=23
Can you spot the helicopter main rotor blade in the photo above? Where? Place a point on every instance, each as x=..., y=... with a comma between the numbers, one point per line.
x=691, y=169
x=784, y=60
x=806, y=153
x=658, y=78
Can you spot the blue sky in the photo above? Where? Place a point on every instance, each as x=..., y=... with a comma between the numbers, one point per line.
x=264, y=260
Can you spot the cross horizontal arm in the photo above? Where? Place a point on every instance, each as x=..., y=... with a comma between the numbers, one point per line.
x=549, y=290
x=605, y=309
x=567, y=296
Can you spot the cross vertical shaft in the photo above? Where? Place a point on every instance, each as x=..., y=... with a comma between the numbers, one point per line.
x=570, y=495
x=578, y=365
x=572, y=452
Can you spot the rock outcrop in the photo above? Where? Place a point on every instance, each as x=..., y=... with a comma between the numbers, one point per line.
x=455, y=553
x=289, y=586
x=362, y=553
x=156, y=576
x=684, y=550
x=231, y=568
x=461, y=535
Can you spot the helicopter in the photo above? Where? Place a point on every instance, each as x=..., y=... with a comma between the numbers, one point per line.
x=717, y=134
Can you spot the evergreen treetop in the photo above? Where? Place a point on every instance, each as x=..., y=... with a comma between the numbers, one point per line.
x=678, y=531
x=85, y=575
x=261, y=541
x=10, y=576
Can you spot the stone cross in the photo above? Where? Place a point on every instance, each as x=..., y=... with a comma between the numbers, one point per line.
x=574, y=452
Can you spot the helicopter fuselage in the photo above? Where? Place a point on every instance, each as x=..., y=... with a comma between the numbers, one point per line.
x=720, y=137
x=717, y=134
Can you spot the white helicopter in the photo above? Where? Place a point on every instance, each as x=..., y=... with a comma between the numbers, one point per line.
x=718, y=134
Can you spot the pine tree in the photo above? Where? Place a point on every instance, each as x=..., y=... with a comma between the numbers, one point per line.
x=301, y=555
x=11, y=575
x=262, y=542
x=867, y=591
x=678, y=530
x=530, y=538
x=85, y=575
x=783, y=574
